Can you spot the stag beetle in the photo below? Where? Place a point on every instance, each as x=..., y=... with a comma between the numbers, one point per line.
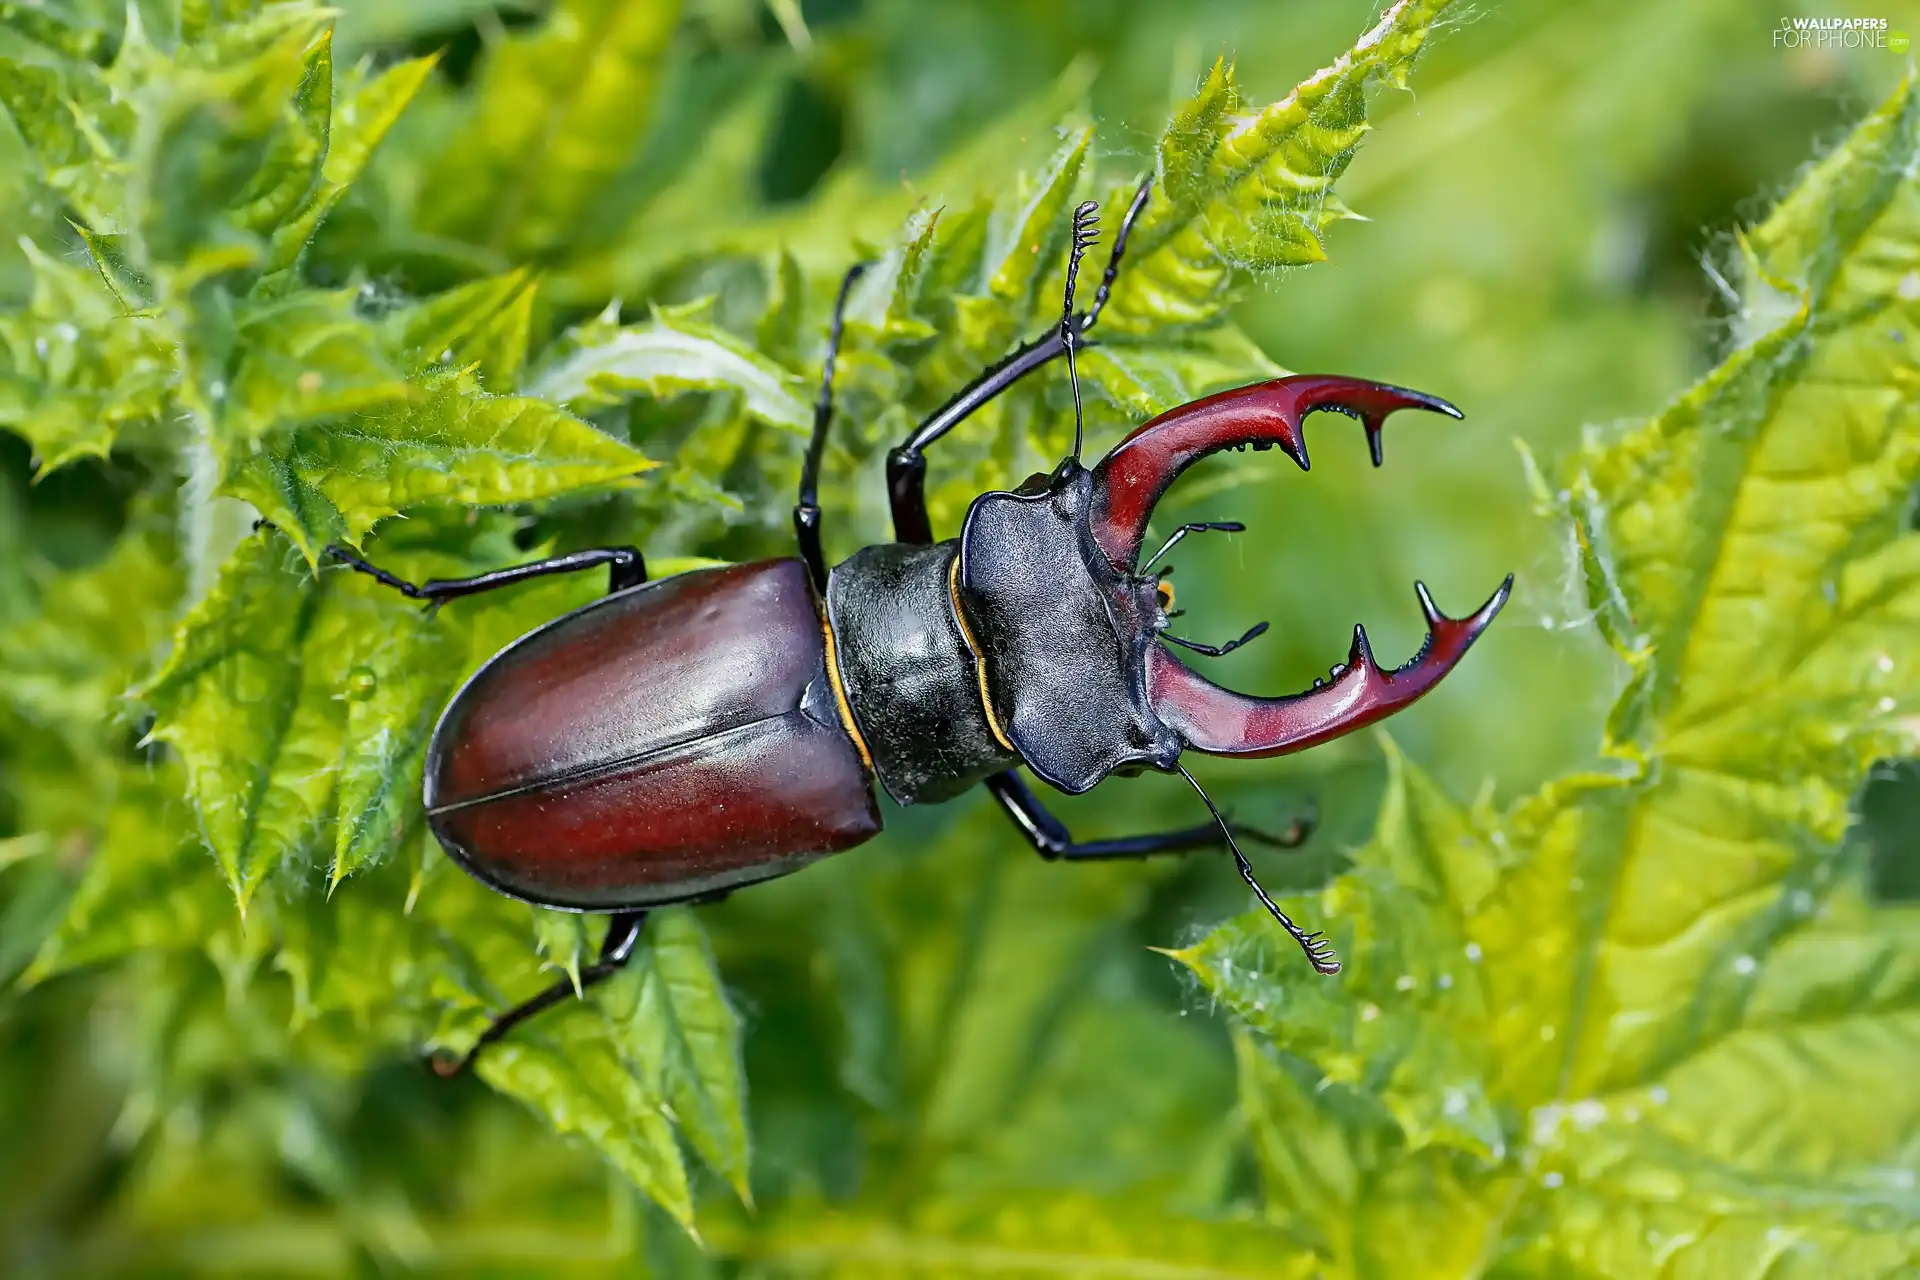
x=678, y=739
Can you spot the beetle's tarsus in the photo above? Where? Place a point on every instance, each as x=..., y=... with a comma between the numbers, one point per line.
x=1319, y=951
x=1086, y=232
x=1134, y=209
x=446, y=1066
x=1298, y=832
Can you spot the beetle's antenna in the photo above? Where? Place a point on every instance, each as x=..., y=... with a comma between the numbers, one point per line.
x=1319, y=951
x=1086, y=233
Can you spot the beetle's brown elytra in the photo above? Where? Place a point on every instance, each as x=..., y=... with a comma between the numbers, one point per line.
x=680, y=739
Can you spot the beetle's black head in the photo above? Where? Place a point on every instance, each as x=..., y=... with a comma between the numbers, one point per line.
x=1070, y=629
x=1063, y=633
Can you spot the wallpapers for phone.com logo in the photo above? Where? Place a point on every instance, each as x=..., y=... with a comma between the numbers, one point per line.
x=1839, y=33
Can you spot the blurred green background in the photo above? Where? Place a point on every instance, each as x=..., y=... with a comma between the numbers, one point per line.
x=1543, y=211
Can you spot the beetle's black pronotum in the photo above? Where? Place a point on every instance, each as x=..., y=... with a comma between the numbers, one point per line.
x=681, y=738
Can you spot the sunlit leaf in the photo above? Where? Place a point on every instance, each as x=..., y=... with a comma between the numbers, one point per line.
x=251, y=698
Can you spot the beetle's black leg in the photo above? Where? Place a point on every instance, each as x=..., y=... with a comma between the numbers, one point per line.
x=623, y=935
x=625, y=568
x=907, y=465
x=1051, y=839
x=806, y=511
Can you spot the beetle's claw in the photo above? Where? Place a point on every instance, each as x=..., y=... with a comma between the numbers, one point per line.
x=1320, y=953
x=1129, y=480
x=1357, y=693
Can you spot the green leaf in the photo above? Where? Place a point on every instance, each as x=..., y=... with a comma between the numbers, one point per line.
x=67, y=667
x=292, y=164
x=250, y=698
x=995, y=299
x=1025, y=1237
x=685, y=1035
x=333, y=481
x=560, y=113
x=393, y=700
x=1244, y=188
x=484, y=324
x=113, y=257
x=653, y=1046
x=1645, y=1020
x=888, y=293
x=76, y=372
x=304, y=357
x=363, y=113
x=77, y=132
x=668, y=356
x=229, y=146
x=1405, y=1023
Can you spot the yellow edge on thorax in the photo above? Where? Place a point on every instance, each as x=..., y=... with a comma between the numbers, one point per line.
x=840, y=690
x=979, y=659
